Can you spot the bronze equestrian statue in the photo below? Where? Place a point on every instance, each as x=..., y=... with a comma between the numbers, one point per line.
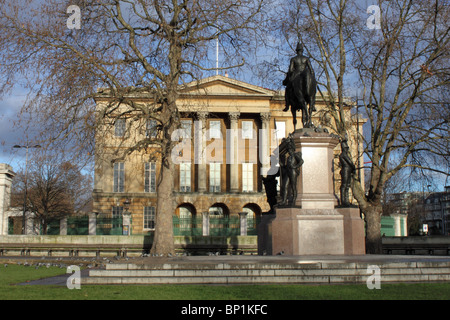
x=301, y=87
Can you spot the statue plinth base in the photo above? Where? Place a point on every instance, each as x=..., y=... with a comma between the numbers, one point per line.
x=307, y=232
x=298, y=231
x=314, y=226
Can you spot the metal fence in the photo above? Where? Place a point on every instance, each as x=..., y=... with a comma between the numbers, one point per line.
x=252, y=225
x=109, y=226
x=53, y=228
x=219, y=225
x=190, y=226
x=78, y=226
x=226, y=226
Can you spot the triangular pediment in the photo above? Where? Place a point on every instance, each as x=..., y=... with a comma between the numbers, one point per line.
x=224, y=86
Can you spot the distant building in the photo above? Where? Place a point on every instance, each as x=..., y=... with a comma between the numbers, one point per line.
x=401, y=203
x=431, y=209
x=437, y=212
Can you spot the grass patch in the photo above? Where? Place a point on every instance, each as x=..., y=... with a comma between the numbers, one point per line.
x=13, y=274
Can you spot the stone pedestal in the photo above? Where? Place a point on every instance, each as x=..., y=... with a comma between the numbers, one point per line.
x=315, y=184
x=298, y=231
x=314, y=226
x=265, y=234
x=354, y=240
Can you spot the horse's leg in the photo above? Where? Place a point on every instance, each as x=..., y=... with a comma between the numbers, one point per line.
x=287, y=98
x=312, y=103
x=305, y=117
x=294, y=116
x=287, y=105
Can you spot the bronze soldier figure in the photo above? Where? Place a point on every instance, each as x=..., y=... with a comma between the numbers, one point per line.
x=347, y=169
x=290, y=170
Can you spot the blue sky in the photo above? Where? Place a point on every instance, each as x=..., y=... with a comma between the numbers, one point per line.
x=10, y=134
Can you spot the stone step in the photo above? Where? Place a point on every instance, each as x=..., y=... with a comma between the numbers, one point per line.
x=261, y=272
x=263, y=280
x=223, y=273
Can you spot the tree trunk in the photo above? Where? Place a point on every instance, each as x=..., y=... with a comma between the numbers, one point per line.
x=372, y=216
x=163, y=243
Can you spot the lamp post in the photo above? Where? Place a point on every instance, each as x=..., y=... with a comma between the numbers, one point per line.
x=26, y=182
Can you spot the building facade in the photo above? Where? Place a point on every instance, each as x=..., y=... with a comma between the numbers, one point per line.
x=229, y=130
x=437, y=212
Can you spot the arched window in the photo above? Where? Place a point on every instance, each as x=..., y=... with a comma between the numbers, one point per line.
x=253, y=217
x=185, y=221
x=221, y=224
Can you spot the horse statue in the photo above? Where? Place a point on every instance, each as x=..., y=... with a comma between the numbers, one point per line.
x=301, y=86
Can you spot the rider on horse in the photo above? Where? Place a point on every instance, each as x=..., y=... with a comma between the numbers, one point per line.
x=300, y=85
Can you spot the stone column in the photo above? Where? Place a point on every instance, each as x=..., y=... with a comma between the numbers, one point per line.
x=92, y=224
x=200, y=149
x=397, y=231
x=264, y=147
x=6, y=177
x=205, y=223
x=232, y=151
x=243, y=223
x=63, y=227
x=405, y=225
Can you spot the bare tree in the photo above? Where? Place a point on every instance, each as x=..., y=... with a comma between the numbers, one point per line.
x=55, y=189
x=402, y=75
x=125, y=49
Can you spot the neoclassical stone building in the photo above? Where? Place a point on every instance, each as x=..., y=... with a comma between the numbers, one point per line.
x=229, y=130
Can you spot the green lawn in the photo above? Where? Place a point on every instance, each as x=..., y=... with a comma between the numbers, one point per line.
x=11, y=275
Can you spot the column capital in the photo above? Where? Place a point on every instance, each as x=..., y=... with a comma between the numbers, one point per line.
x=265, y=116
x=234, y=115
x=202, y=115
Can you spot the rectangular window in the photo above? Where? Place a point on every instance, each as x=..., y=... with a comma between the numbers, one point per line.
x=185, y=177
x=117, y=212
x=119, y=177
x=214, y=177
x=186, y=126
x=150, y=177
x=280, y=127
x=149, y=217
x=116, y=215
x=214, y=129
x=119, y=128
x=152, y=130
x=247, y=177
x=247, y=129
